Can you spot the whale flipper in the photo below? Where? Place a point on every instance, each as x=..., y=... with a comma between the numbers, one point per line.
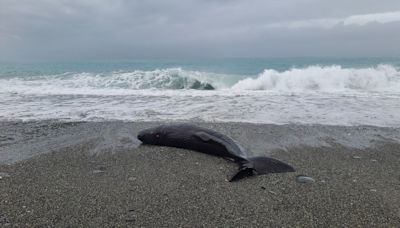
x=205, y=137
x=209, y=138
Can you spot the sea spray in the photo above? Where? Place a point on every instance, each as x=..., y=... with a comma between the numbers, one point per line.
x=325, y=78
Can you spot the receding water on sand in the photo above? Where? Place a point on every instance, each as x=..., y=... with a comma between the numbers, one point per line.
x=39, y=137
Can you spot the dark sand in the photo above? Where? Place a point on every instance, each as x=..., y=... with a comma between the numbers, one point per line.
x=97, y=175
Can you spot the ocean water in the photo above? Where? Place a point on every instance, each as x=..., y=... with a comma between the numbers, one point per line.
x=334, y=91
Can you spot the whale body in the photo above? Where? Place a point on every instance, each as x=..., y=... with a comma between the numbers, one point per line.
x=192, y=137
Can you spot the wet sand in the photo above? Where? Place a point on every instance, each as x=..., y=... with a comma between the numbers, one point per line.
x=98, y=175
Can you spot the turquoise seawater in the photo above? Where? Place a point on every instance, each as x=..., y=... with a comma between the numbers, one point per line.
x=235, y=66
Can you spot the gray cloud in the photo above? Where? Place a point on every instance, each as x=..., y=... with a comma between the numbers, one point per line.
x=47, y=29
x=329, y=23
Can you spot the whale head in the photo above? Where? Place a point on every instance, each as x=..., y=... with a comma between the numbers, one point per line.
x=153, y=136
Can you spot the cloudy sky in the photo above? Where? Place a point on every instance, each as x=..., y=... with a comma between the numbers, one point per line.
x=115, y=29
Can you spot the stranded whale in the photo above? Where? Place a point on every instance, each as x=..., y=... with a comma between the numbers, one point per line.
x=192, y=137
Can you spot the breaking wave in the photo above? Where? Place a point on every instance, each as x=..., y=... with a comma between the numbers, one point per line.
x=325, y=78
x=331, y=79
x=168, y=79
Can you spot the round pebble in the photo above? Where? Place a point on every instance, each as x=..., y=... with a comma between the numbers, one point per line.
x=98, y=171
x=304, y=179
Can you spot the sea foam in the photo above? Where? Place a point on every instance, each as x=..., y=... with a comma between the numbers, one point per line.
x=325, y=78
x=311, y=95
x=330, y=79
x=117, y=82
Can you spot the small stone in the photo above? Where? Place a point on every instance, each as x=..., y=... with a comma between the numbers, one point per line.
x=356, y=157
x=374, y=160
x=96, y=171
x=304, y=179
x=272, y=192
x=373, y=190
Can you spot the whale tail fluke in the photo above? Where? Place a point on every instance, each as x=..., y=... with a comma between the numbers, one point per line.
x=261, y=165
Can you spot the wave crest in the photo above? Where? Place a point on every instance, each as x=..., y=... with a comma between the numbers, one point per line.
x=116, y=82
x=174, y=78
x=331, y=79
x=325, y=78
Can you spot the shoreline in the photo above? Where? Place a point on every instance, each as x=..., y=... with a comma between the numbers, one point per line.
x=96, y=174
x=20, y=140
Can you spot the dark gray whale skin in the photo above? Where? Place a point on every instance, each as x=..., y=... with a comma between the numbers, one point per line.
x=192, y=137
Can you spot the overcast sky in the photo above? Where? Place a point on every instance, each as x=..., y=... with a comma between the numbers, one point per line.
x=115, y=29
